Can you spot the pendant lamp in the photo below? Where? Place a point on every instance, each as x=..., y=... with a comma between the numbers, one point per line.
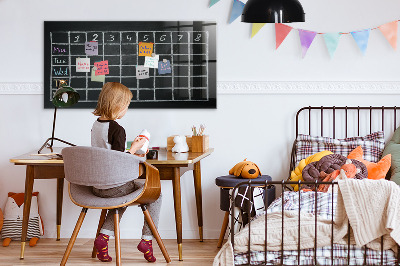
x=65, y=96
x=273, y=11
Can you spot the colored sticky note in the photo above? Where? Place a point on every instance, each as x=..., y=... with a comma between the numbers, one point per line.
x=92, y=48
x=145, y=48
x=151, y=62
x=164, y=67
x=102, y=68
x=83, y=65
x=99, y=78
x=142, y=72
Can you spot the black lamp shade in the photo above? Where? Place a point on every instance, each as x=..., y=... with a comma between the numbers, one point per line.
x=65, y=96
x=273, y=11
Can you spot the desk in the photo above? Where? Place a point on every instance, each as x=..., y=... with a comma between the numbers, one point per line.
x=170, y=165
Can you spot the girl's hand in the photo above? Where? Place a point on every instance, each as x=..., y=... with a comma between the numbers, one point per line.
x=137, y=144
x=143, y=155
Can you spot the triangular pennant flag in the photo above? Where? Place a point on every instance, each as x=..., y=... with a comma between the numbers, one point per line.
x=389, y=30
x=306, y=39
x=281, y=31
x=332, y=41
x=361, y=37
x=237, y=9
x=213, y=2
x=256, y=28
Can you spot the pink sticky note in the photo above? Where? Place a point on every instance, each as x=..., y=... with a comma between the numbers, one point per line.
x=102, y=68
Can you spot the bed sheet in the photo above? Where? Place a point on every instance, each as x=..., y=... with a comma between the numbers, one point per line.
x=321, y=204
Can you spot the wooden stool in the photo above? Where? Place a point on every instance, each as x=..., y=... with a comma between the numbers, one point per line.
x=226, y=183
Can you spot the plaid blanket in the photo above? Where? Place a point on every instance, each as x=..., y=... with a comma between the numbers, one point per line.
x=321, y=204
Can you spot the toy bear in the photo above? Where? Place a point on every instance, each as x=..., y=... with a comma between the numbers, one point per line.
x=245, y=169
x=180, y=144
x=13, y=215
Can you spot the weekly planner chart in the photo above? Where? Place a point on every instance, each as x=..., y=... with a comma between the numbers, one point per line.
x=166, y=64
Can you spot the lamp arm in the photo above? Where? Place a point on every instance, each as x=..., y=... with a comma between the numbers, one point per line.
x=54, y=126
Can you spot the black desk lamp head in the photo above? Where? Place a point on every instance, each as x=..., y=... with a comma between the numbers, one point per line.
x=273, y=11
x=65, y=96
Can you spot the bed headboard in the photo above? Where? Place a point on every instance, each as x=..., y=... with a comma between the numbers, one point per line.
x=344, y=121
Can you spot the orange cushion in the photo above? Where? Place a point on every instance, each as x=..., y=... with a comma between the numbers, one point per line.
x=375, y=170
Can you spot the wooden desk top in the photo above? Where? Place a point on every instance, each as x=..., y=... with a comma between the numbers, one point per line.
x=164, y=157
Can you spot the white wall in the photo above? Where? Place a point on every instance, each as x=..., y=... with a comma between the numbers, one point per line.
x=257, y=127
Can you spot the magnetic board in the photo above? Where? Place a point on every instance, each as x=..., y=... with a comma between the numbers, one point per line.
x=188, y=47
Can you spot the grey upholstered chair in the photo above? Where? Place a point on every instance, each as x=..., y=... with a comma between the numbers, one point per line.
x=85, y=167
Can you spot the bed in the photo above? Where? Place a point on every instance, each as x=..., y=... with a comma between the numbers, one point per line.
x=301, y=228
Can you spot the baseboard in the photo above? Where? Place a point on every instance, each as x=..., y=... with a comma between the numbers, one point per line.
x=260, y=87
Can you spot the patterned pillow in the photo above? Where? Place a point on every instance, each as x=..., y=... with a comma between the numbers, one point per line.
x=372, y=145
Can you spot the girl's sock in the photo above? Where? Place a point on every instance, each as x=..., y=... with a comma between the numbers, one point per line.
x=146, y=247
x=101, y=244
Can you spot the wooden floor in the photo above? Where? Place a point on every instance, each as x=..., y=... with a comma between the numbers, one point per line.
x=50, y=252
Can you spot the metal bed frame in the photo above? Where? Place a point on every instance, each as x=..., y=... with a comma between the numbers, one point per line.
x=283, y=184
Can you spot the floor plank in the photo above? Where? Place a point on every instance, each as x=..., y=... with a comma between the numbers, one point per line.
x=49, y=252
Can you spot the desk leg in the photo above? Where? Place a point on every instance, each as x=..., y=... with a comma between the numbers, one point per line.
x=199, y=204
x=60, y=190
x=176, y=183
x=27, y=206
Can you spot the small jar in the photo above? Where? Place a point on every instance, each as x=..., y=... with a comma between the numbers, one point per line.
x=144, y=134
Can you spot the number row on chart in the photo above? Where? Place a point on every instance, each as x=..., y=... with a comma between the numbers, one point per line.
x=129, y=37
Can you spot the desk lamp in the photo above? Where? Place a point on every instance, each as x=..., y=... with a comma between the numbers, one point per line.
x=65, y=96
x=273, y=11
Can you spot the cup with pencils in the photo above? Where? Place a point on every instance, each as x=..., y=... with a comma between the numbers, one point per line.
x=199, y=140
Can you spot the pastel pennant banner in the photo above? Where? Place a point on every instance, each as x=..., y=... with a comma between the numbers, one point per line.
x=332, y=41
x=237, y=9
x=281, y=31
x=361, y=37
x=256, y=28
x=306, y=39
x=213, y=2
x=389, y=30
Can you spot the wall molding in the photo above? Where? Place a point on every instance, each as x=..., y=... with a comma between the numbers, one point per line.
x=261, y=87
x=309, y=87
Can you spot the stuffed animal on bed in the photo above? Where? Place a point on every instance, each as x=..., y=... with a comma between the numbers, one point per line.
x=13, y=215
x=245, y=169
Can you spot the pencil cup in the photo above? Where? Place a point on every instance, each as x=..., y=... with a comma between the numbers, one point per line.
x=200, y=143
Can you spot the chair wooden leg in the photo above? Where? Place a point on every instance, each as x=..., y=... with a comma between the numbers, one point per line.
x=117, y=238
x=101, y=222
x=154, y=230
x=223, y=229
x=73, y=237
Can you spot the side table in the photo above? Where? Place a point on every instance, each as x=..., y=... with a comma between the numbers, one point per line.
x=228, y=182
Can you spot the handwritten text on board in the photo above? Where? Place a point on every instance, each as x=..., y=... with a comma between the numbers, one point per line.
x=145, y=48
x=60, y=71
x=92, y=48
x=142, y=72
x=83, y=65
x=102, y=68
x=164, y=67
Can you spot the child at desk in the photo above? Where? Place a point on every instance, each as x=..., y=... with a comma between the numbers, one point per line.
x=106, y=133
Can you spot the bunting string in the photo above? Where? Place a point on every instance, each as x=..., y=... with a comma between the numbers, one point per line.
x=361, y=37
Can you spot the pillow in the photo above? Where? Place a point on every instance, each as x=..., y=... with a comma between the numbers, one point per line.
x=393, y=148
x=296, y=174
x=375, y=170
x=372, y=144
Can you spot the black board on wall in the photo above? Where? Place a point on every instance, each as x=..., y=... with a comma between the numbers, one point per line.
x=190, y=47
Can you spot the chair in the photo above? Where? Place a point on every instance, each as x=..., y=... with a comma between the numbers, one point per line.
x=85, y=167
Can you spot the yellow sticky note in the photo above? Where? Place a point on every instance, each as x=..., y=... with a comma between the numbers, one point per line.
x=145, y=48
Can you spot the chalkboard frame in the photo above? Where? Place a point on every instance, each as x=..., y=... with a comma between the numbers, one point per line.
x=133, y=26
